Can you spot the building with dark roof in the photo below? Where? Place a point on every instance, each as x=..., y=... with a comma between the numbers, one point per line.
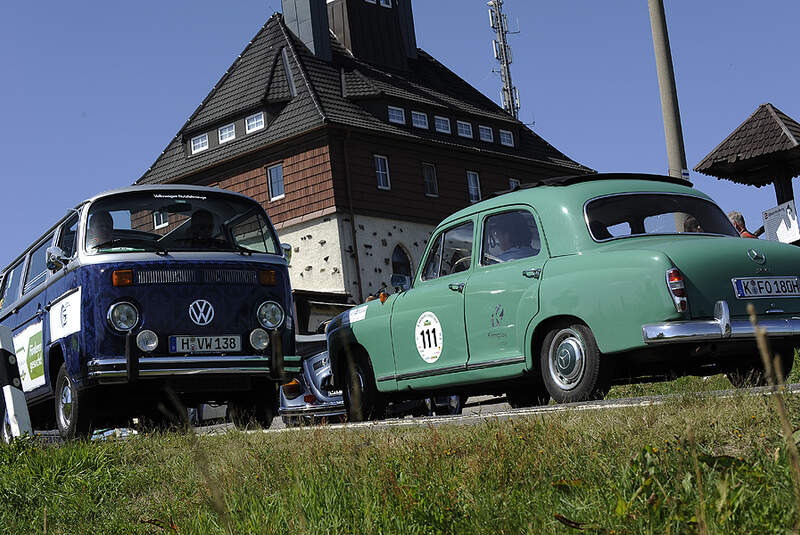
x=355, y=141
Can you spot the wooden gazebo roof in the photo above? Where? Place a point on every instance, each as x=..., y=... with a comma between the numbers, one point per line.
x=763, y=149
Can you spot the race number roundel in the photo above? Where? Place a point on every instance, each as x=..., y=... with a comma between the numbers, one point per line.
x=429, y=337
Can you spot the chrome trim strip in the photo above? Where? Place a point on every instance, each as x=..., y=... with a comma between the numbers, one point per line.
x=326, y=409
x=431, y=373
x=720, y=328
x=103, y=374
x=144, y=361
x=495, y=363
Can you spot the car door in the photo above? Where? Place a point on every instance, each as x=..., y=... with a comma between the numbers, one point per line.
x=428, y=332
x=503, y=291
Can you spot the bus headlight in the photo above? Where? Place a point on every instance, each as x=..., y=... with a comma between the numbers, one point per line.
x=123, y=316
x=270, y=315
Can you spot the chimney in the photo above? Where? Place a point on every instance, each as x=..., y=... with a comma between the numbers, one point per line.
x=380, y=32
x=308, y=20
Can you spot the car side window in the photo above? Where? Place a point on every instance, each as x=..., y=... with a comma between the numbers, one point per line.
x=509, y=236
x=37, y=267
x=457, y=249
x=10, y=289
x=431, y=270
x=68, y=241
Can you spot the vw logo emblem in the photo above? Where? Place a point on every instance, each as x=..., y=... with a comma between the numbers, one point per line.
x=201, y=312
x=756, y=257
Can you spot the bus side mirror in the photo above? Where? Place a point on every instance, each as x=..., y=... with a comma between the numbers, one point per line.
x=56, y=259
x=287, y=252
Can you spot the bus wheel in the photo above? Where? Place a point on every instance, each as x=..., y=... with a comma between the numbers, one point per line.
x=74, y=408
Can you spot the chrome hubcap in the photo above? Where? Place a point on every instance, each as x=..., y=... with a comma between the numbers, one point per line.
x=65, y=406
x=567, y=360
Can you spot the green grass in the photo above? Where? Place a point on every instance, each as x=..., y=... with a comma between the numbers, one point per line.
x=619, y=471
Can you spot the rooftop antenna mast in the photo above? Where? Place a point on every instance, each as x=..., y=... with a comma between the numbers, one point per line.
x=502, y=53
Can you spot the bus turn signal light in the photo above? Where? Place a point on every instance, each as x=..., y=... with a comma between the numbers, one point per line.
x=267, y=278
x=123, y=277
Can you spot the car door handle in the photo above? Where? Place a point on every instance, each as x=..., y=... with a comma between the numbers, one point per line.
x=532, y=273
x=457, y=287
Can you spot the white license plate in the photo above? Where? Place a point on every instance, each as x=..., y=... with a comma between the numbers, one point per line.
x=755, y=287
x=205, y=344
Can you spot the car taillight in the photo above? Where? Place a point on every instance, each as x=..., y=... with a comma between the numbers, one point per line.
x=677, y=289
x=292, y=389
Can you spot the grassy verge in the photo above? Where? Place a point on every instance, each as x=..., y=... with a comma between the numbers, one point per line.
x=619, y=471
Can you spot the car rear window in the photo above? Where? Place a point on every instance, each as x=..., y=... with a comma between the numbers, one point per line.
x=637, y=214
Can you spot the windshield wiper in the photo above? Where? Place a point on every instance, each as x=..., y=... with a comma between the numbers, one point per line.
x=133, y=242
x=244, y=250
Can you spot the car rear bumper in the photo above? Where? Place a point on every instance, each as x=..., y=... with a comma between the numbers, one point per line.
x=722, y=327
x=318, y=409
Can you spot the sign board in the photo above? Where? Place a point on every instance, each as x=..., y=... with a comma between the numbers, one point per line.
x=780, y=223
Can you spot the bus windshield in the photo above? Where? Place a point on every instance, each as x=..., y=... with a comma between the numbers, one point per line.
x=164, y=221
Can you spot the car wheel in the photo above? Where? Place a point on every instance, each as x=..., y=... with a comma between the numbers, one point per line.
x=570, y=364
x=532, y=396
x=448, y=405
x=361, y=398
x=74, y=408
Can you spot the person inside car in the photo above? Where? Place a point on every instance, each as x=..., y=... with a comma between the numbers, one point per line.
x=513, y=236
x=100, y=230
x=201, y=230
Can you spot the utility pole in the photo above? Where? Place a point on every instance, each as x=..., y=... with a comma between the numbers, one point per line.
x=676, y=154
x=502, y=53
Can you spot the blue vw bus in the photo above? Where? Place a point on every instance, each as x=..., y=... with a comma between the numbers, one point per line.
x=146, y=291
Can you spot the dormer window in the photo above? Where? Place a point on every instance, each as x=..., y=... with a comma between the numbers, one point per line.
x=507, y=138
x=485, y=132
x=397, y=115
x=199, y=143
x=464, y=129
x=419, y=119
x=254, y=122
x=386, y=3
x=442, y=124
x=227, y=133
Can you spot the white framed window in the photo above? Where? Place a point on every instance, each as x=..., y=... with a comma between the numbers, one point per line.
x=507, y=138
x=227, y=133
x=464, y=129
x=160, y=219
x=382, y=172
x=254, y=122
x=429, y=179
x=386, y=3
x=275, y=179
x=419, y=119
x=486, y=133
x=397, y=115
x=513, y=183
x=474, y=186
x=442, y=124
x=199, y=143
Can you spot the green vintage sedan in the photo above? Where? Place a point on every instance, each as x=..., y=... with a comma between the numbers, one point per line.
x=563, y=288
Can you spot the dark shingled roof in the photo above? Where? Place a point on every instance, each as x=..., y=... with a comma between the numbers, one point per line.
x=764, y=147
x=330, y=93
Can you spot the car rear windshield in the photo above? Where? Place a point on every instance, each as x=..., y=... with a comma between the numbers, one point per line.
x=164, y=222
x=637, y=214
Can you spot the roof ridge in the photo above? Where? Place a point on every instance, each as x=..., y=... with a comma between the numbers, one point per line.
x=312, y=91
x=781, y=123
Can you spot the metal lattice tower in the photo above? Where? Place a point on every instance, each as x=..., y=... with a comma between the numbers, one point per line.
x=502, y=52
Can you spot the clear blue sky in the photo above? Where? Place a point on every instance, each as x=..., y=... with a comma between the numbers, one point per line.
x=93, y=91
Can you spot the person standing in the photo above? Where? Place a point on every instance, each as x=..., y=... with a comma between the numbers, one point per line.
x=738, y=222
